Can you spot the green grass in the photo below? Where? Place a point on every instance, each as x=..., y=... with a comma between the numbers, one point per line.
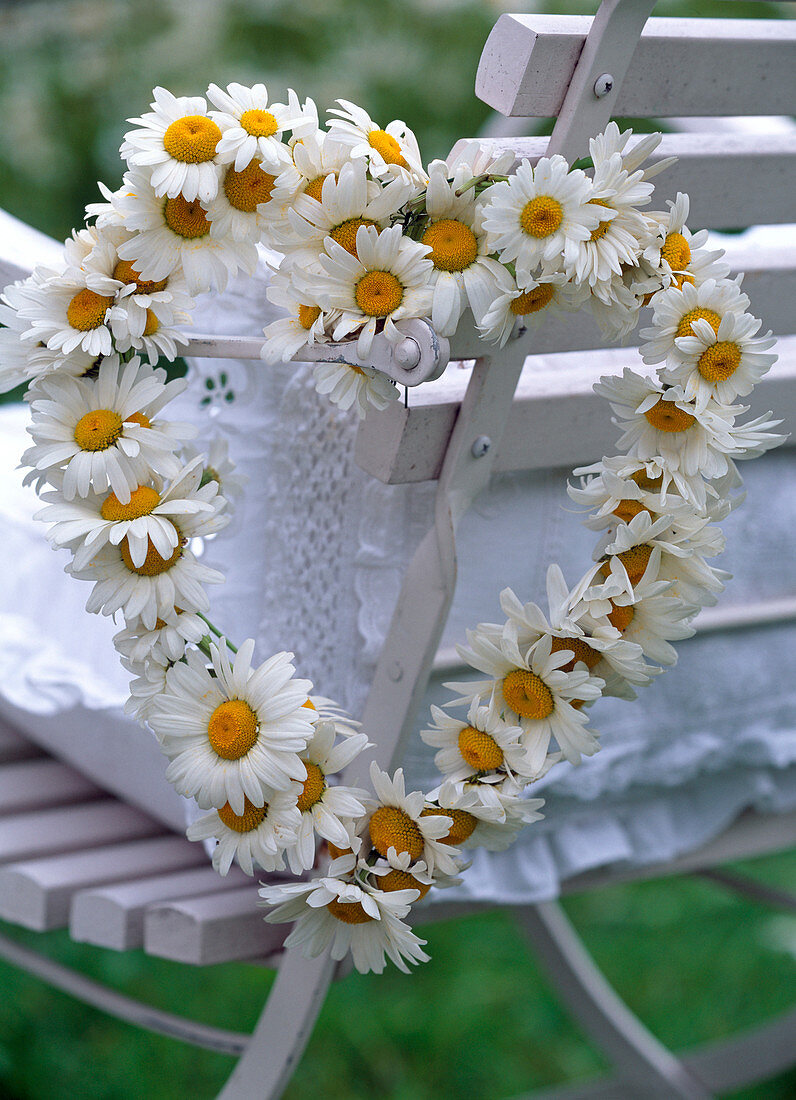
x=478, y=1022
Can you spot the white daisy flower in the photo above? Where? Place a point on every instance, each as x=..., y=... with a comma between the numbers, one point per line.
x=610, y=142
x=392, y=151
x=480, y=744
x=677, y=253
x=495, y=812
x=168, y=639
x=527, y=308
x=326, y=810
x=218, y=466
x=675, y=310
x=347, y=201
x=105, y=433
x=175, y=145
x=20, y=359
x=619, y=304
x=620, y=488
x=316, y=156
x=251, y=127
x=347, y=385
x=388, y=282
x=398, y=872
x=242, y=208
x=148, y=684
x=620, y=239
x=332, y=913
x=530, y=689
x=236, y=734
x=154, y=589
x=540, y=215
x=257, y=837
x=171, y=234
x=464, y=274
x=146, y=521
x=66, y=316
x=307, y=323
x=721, y=364
x=397, y=821
x=659, y=421
x=652, y=620
x=480, y=161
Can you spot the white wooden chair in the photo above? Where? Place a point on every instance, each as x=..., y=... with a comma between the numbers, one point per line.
x=118, y=878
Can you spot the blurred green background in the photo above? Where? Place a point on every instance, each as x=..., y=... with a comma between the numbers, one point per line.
x=479, y=1021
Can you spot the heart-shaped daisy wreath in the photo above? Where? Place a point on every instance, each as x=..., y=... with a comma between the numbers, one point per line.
x=370, y=239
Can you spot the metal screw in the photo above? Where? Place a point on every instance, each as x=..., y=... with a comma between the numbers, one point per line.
x=395, y=671
x=481, y=446
x=603, y=85
x=407, y=353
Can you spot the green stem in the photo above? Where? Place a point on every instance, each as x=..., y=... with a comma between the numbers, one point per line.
x=217, y=633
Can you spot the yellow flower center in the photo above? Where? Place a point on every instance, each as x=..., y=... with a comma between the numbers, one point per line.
x=349, y=912
x=454, y=245
x=402, y=880
x=232, y=729
x=186, y=219
x=246, y=190
x=719, y=361
x=142, y=501
x=627, y=509
x=463, y=824
x=387, y=146
x=97, y=430
x=667, y=417
x=87, y=310
x=252, y=816
x=479, y=749
x=308, y=315
x=635, y=561
x=192, y=139
x=676, y=251
x=346, y=233
x=527, y=695
x=126, y=273
x=139, y=418
x=314, y=786
x=259, y=123
x=531, y=301
x=647, y=483
x=315, y=187
x=542, y=216
x=309, y=705
x=152, y=324
x=153, y=564
x=687, y=320
x=392, y=828
x=600, y=230
x=621, y=617
x=336, y=852
x=378, y=293
x=581, y=652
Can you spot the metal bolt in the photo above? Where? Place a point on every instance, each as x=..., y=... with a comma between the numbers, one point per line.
x=603, y=85
x=395, y=671
x=407, y=353
x=481, y=446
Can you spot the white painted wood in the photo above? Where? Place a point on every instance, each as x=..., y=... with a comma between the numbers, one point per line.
x=556, y=418
x=213, y=928
x=733, y=180
x=37, y=893
x=681, y=67
x=22, y=247
x=113, y=916
x=42, y=783
x=14, y=746
x=72, y=828
x=607, y=52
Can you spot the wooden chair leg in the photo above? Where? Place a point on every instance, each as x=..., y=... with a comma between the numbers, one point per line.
x=643, y=1062
x=283, y=1030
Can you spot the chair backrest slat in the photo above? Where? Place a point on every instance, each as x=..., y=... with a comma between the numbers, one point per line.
x=680, y=67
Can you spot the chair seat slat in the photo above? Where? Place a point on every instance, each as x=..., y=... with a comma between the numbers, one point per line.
x=680, y=67
x=42, y=782
x=72, y=828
